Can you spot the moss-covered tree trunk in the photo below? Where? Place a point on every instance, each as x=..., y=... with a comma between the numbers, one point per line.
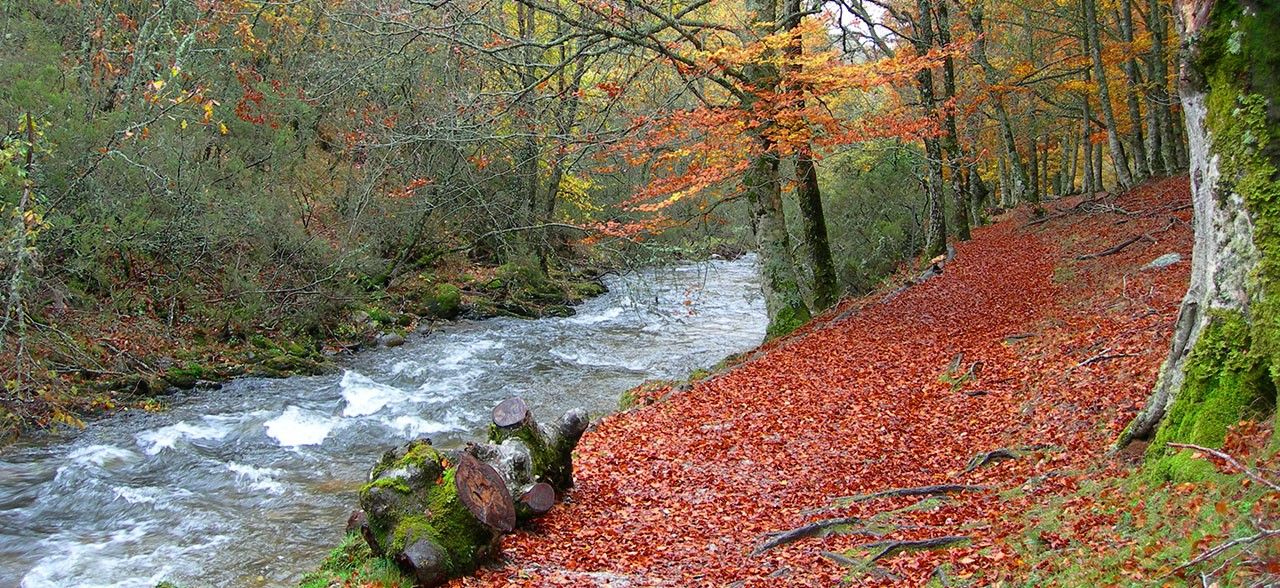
x=1225, y=356
x=781, y=285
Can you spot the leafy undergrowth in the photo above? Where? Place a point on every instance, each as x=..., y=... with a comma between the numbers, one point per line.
x=1046, y=357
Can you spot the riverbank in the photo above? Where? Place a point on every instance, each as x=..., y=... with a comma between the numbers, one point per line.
x=109, y=361
x=999, y=397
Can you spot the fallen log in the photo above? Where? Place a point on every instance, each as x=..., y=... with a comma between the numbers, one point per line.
x=439, y=514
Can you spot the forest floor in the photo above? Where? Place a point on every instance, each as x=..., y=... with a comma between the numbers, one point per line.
x=1024, y=343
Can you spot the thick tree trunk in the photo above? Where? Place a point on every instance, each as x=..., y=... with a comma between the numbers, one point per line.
x=826, y=290
x=1225, y=353
x=1094, y=42
x=813, y=221
x=763, y=189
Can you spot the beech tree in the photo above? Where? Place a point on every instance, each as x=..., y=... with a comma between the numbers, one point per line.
x=1225, y=356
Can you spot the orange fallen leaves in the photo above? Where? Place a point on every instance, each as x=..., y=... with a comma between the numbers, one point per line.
x=678, y=493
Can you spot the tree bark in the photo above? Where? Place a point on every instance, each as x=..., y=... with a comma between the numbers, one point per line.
x=813, y=221
x=935, y=223
x=1094, y=42
x=951, y=141
x=783, y=301
x=1224, y=348
x=1141, y=168
x=1087, y=183
x=1016, y=171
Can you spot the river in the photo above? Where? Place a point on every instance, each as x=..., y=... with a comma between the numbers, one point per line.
x=250, y=485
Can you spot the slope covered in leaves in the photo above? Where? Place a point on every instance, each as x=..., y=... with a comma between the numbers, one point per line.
x=1019, y=345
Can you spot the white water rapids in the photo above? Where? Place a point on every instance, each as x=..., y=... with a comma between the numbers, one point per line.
x=250, y=485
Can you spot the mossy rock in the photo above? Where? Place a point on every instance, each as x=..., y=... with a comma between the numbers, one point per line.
x=138, y=385
x=291, y=364
x=559, y=310
x=446, y=301
x=185, y=377
x=260, y=341
x=589, y=289
x=516, y=309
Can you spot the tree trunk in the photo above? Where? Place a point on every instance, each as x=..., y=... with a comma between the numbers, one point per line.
x=951, y=141
x=1094, y=42
x=813, y=221
x=760, y=183
x=826, y=290
x=1141, y=168
x=1159, y=127
x=935, y=224
x=978, y=197
x=1087, y=184
x=1225, y=352
x=1016, y=172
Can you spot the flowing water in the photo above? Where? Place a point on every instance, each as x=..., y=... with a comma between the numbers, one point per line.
x=250, y=485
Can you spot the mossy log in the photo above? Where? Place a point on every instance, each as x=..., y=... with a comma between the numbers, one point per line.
x=549, y=447
x=440, y=514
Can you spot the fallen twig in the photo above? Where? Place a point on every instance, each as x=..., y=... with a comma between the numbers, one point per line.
x=1223, y=547
x=1104, y=356
x=1231, y=461
x=1116, y=248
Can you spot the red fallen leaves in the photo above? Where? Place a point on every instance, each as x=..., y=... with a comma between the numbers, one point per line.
x=680, y=492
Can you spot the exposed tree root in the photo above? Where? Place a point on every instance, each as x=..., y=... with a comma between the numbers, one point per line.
x=933, y=490
x=883, y=549
x=1104, y=356
x=1001, y=454
x=815, y=529
x=846, y=561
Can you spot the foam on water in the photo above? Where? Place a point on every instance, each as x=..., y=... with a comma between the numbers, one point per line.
x=365, y=396
x=607, y=314
x=412, y=427
x=465, y=351
x=101, y=456
x=257, y=478
x=156, y=497
x=157, y=440
x=296, y=427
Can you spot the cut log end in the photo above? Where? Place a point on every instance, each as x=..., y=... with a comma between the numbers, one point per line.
x=510, y=412
x=540, y=498
x=482, y=490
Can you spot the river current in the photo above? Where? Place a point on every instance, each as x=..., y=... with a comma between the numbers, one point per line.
x=250, y=485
